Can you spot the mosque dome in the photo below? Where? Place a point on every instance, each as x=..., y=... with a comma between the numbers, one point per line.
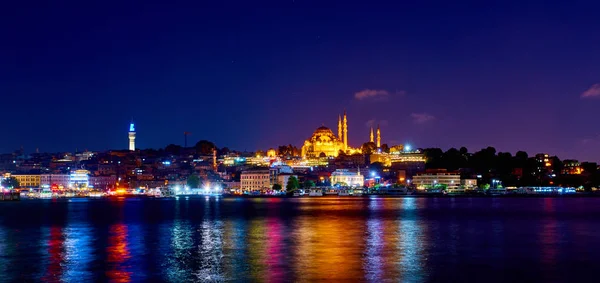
x=323, y=134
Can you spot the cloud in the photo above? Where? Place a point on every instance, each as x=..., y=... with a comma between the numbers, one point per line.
x=591, y=92
x=422, y=118
x=372, y=93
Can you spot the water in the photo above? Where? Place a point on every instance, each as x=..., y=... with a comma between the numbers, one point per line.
x=302, y=239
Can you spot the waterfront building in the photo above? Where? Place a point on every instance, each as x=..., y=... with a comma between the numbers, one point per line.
x=103, y=182
x=54, y=180
x=264, y=178
x=257, y=179
x=131, y=137
x=398, y=156
x=347, y=178
x=469, y=184
x=27, y=180
x=436, y=177
x=544, y=164
x=79, y=179
x=571, y=167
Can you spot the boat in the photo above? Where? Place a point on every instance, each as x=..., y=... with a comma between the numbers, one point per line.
x=344, y=193
x=24, y=194
x=357, y=193
x=95, y=194
x=315, y=193
x=332, y=192
x=45, y=194
x=296, y=194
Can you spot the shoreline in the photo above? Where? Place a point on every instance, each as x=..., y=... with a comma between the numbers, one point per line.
x=439, y=196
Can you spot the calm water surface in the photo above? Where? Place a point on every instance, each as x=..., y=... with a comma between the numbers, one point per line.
x=302, y=239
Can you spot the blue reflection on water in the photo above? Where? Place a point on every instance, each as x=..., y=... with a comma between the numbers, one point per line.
x=211, y=246
x=78, y=252
x=412, y=243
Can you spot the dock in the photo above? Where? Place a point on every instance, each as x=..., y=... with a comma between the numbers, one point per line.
x=10, y=196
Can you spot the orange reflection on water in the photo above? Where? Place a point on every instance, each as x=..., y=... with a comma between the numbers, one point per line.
x=330, y=245
x=118, y=253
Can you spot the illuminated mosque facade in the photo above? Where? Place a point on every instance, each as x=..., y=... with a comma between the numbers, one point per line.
x=324, y=143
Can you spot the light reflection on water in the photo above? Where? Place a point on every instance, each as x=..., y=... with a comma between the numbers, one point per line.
x=118, y=254
x=306, y=239
x=413, y=241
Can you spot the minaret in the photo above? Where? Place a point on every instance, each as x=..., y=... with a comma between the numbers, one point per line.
x=215, y=159
x=340, y=127
x=132, y=137
x=345, y=131
x=378, y=137
x=371, y=136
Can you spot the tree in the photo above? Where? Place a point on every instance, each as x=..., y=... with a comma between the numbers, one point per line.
x=173, y=149
x=277, y=187
x=205, y=147
x=292, y=184
x=434, y=158
x=10, y=183
x=223, y=151
x=385, y=148
x=193, y=181
x=308, y=184
x=287, y=150
x=368, y=148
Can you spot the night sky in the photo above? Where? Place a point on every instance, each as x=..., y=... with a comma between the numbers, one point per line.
x=517, y=75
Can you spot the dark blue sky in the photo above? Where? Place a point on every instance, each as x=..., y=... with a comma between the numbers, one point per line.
x=257, y=74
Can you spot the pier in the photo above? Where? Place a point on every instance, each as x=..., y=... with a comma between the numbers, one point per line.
x=9, y=196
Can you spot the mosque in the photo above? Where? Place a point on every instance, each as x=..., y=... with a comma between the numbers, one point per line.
x=324, y=143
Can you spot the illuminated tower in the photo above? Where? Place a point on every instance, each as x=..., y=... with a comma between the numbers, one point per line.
x=371, y=137
x=132, y=137
x=345, y=132
x=378, y=137
x=340, y=127
x=215, y=159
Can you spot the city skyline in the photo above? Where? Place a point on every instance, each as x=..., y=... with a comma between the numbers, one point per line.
x=250, y=76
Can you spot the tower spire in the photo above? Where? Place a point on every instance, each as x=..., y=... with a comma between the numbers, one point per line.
x=132, y=136
x=345, y=132
x=378, y=137
x=371, y=139
x=340, y=127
